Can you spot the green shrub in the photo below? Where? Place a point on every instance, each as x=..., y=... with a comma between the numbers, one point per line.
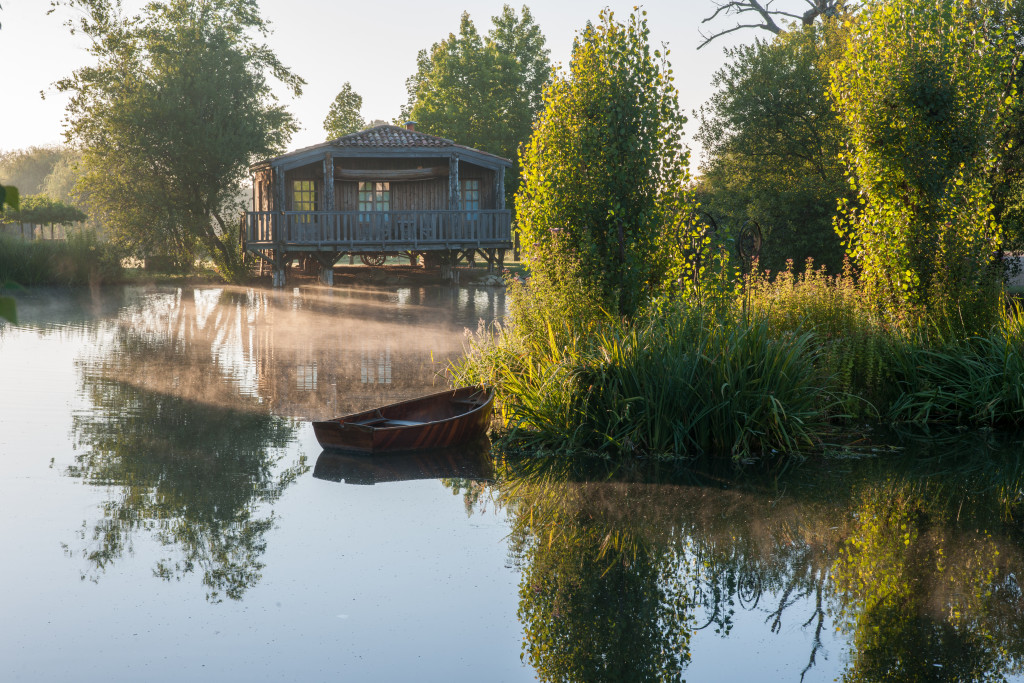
x=81, y=259
x=978, y=381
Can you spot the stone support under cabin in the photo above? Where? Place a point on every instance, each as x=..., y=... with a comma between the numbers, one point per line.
x=327, y=275
x=278, y=280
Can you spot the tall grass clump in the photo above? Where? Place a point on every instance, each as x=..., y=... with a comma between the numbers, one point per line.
x=978, y=380
x=680, y=384
x=854, y=344
x=81, y=259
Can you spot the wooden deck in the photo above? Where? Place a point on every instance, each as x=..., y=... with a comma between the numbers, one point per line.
x=372, y=232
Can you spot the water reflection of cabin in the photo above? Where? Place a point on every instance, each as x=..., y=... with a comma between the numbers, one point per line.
x=384, y=190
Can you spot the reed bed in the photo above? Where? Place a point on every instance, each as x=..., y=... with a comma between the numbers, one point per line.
x=796, y=356
x=977, y=381
x=81, y=259
x=685, y=384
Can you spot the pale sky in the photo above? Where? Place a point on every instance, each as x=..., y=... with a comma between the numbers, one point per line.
x=371, y=44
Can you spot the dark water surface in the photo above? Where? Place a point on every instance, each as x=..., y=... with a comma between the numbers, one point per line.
x=168, y=515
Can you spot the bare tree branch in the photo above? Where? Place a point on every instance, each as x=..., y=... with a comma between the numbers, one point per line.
x=708, y=39
x=768, y=15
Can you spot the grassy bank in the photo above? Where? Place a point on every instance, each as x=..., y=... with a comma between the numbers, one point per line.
x=79, y=260
x=792, y=358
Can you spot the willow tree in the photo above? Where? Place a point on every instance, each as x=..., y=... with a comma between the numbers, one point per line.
x=927, y=90
x=604, y=171
x=174, y=110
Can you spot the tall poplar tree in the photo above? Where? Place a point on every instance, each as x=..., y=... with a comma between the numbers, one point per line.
x=928, y=90
x=605, y=171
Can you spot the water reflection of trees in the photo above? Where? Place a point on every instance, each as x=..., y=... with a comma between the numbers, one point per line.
x=928, y=582
x=186, y=455
x=915, y=560
x=185, y=386
x=597, y=603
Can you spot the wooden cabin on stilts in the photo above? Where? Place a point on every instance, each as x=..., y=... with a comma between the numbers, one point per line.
x=383, y=191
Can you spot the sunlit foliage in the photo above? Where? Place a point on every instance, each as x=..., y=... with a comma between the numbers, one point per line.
x=604, y=173
x=927, y=92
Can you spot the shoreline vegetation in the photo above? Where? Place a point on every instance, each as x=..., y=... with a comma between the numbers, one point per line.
x=785, y=366
x=639, y=332
x=81, y=259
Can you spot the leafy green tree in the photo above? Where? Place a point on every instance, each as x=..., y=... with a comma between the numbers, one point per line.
x=41, y=210
x=50, y=171
x=604, y=171
x=60, y=183
x=170, y=117
x=772, y=142
x=345, y=115
x=928, y=93
x=482, y=91
x=27, y=169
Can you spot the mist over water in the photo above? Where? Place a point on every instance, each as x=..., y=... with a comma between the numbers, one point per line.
x=308, y=353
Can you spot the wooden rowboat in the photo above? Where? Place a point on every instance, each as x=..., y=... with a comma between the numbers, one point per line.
x=443, y=419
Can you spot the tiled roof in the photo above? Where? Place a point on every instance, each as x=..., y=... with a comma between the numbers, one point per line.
x=390, y=136
x=386, y=137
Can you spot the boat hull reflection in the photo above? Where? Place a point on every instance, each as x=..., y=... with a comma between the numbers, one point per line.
x=468, y=461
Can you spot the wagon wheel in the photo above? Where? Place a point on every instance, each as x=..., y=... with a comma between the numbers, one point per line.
x=372, y=259
x=749, y=242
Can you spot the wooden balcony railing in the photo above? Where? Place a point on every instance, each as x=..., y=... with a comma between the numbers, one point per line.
x=377, y=231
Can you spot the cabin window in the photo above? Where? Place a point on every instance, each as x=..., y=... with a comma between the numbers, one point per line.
x=303, y=195
x=471, y=197
x=374, y=197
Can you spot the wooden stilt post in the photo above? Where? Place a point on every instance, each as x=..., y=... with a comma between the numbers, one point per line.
x=279, y=230
x=327, y=261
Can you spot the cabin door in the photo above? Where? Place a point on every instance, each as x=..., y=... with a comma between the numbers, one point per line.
x=374, y=211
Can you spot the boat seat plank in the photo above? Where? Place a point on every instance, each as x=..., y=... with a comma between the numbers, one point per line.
x=400, y=423
x=371, y=421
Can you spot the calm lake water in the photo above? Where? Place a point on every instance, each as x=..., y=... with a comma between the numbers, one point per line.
x=168, y=515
